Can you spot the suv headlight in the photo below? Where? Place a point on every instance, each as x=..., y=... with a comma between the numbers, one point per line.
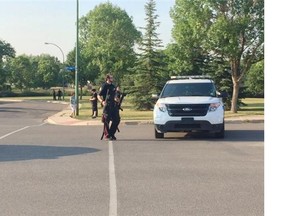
x=161, y=107
x=213, y=107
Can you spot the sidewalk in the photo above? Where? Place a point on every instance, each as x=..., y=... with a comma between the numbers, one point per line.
x=63, y=118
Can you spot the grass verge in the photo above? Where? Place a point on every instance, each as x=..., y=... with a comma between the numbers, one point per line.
x=254, y=106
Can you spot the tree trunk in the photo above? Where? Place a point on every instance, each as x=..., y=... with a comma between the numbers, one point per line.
x=236, y=74
x=236, y=87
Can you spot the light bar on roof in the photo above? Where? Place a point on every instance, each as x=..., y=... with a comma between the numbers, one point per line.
x=192, y=77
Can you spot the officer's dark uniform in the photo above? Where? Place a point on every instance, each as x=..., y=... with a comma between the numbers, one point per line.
x=110, y=111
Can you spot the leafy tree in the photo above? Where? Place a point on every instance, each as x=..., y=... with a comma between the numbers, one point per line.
x=34, y=71
x=70, y=62
x=185, y=60
x=149, y=71
x=85, y=73
x=219, y=70
x=255, y=79
x=232, y=30
x=20, y=68
x=107, y=37
x=48, y=72
x=6, y=51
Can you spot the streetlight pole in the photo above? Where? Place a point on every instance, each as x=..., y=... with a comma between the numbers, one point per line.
x=77, y=58
x=63, y=60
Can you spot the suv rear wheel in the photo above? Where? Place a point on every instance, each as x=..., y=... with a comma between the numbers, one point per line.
x=158, y=135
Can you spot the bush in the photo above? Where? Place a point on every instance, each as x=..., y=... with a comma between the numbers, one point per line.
x=8, y=94
x=25, y=93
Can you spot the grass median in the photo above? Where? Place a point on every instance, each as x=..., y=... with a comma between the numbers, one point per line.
x=128, y=113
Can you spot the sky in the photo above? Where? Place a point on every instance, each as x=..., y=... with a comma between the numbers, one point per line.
x=28, y=24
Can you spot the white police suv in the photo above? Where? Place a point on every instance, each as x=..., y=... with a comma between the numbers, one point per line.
x=189, y=104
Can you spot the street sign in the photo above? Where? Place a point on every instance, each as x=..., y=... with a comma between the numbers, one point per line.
x=70, y=68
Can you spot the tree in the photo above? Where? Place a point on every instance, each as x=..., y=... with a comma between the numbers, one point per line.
x=255, y=79
x=6, y=51
x=21, y=75
x=149, y=71
x=34, y=71
x=85, y=71
x=107, y=37
x=48, y=71
x=186, y=60
x=232, y=30
x=218, y=69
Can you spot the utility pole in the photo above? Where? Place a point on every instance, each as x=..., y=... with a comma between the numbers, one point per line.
x=77, y=58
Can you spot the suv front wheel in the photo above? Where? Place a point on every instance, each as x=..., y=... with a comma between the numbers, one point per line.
x=158, y=135
x=221, y=134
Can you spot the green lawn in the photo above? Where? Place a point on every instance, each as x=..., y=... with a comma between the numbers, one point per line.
x=254, y=106
x=128, y=112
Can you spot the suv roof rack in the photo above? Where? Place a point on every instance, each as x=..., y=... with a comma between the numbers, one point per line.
x=192, y=77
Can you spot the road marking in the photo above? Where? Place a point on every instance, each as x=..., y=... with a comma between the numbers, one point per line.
x=6, y=135
x=112, y=181
x=21, y=129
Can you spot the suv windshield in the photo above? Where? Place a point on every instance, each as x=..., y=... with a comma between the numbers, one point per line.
x=188, y=89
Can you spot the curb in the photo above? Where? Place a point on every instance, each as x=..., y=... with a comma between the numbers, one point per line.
x=63, y=118
x=10, y=100
x=59, y=102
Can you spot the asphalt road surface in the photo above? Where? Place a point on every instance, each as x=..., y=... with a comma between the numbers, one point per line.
x=67, y=170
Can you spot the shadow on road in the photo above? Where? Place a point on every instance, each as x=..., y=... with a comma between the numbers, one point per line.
x=245, y=135
x=9, y=110
x=230, y=135
x=30, y=152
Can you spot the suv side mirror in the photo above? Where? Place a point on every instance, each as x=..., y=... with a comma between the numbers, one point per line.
x=155, y=96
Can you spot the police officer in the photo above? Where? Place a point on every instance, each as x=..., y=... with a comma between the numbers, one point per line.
x=107, y=97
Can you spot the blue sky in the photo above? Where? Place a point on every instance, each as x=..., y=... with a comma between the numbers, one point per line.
x=28, y=24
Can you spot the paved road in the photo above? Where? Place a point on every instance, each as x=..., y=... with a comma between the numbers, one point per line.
x=66, y=170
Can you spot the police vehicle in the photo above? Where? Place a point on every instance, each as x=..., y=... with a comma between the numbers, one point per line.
x=189, y=104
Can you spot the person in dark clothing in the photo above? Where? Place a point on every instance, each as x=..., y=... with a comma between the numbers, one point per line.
x=107, y=97
x=59, y=94
x=94, y=101
x=54, y=94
